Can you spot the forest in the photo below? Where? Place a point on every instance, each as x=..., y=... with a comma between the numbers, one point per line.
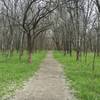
x=50, y=32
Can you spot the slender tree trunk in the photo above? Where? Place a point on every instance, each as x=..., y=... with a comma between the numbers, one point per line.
x=29, y=41
x=21, y=46
x=97, y=45
x=78, y=32
x=77, y=55
x=30, y=58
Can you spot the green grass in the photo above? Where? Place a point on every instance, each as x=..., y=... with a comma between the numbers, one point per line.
x=14, y=72
x=80, y=75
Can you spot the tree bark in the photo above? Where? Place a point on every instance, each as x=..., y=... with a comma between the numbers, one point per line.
x=29, y=41
x=30, y=58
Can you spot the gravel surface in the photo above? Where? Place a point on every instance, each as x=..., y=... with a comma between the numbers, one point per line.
x=47, y=84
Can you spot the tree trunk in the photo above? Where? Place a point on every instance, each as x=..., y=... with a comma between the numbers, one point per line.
x=77, y=55
x=29, y=43
x=30, y=58
x=77, y=30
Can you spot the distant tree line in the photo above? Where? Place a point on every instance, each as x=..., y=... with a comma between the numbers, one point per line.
x=23, y=24
x=73, y=24
x=77, y=27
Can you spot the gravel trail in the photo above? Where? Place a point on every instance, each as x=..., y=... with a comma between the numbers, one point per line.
x=47, y=84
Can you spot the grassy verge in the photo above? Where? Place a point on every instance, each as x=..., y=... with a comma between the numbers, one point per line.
x=13, y=72
x=85, y=83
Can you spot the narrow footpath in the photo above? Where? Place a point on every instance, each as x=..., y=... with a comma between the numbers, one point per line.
x=48, y=83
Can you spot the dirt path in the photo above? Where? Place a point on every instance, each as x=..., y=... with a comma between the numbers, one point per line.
x=48, y=83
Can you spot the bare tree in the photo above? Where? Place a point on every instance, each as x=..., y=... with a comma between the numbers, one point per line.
x=31, y=16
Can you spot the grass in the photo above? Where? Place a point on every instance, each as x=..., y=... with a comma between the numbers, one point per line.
x=80, y=75
x=14, y=72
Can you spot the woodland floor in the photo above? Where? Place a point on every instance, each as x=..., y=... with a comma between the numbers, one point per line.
x=48, y=83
